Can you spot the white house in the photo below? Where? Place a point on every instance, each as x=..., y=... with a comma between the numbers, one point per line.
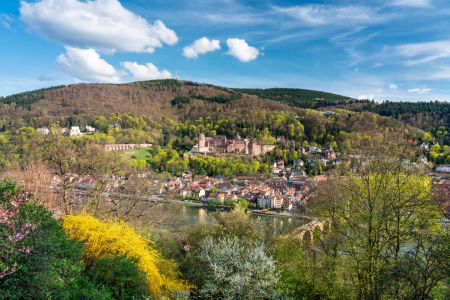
x=298, y=163
x=324, y=161
x=90, y=129
x=443, y=168
x=86, y=181
x=423, y=159
x=265, y=201
x=336, y=162
x=311, y=159
x=424, y=146
x=75, y=131
x=44, y=131
x=276, y=202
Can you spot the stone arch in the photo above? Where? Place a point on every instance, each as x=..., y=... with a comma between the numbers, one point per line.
x=307, y=237
x=314, y=227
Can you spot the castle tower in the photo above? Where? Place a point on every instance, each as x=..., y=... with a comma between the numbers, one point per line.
x=201, y=140
x=251, y=147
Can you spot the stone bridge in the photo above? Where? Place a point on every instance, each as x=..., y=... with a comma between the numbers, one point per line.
x=309, y=228
x=119, y=147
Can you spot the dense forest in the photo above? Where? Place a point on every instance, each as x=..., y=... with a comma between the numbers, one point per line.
x=27, y=98
x=300, y=97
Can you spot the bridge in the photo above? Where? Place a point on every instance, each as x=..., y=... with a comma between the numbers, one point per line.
x=120, y=147
x=310, y=227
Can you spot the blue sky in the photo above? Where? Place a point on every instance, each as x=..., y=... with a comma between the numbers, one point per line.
x=376, y=49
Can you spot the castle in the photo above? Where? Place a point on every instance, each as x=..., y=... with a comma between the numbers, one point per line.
x=220, y=144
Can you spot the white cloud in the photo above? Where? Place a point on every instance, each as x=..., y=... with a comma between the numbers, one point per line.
x=393, y=86
x=234, y=17
x=104, y=25
x=5, y=20
x=241, y=50
x=365, y=97
x=357, y=69
x=201, y=46
x=317, y=14
x=85, y=65
x=147, y=72
x=425, y=52
x=377, y=65
x=43, y=77
x=419, y=91
x=412, y=3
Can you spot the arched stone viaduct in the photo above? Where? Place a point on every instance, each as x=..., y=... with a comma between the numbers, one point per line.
x=310, y=227
x=119, y=147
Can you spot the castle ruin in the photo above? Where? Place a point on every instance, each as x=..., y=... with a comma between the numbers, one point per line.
x=220, y=144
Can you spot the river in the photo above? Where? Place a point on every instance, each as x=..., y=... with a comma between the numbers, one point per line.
x=196, y=214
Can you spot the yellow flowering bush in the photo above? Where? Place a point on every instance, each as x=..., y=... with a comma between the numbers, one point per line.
x=101, y=238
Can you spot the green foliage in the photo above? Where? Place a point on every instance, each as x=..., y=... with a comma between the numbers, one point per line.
x=298, y=97
x=160, y=82
x=53, y=268
x=242, y=202
x=228, y=202
x=181, y=100
x=121, y=274
x=218, y=99
x=307, y=277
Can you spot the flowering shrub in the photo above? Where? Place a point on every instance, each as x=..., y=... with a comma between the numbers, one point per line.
x=14, y=226
x=101, y=238
x=37, y=259
x=235, y=271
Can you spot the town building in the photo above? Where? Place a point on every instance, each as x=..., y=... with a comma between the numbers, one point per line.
x=75, y=131
x=423, y=159
x=443, y=168
x=424, y=146
x=44, y=131
x=301, y=151
x=329, y=154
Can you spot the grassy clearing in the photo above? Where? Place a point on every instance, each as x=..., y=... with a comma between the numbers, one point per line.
x=142, y=153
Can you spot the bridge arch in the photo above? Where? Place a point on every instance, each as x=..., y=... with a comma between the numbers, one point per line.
x=312, y=231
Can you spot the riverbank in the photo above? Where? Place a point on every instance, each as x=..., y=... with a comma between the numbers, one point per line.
x=193, y=204
x=276, y=214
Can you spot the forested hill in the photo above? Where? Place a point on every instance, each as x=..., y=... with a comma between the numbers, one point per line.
x=430, y=116
x=185, y=100
x=293, y=97
x=300, y=97
x=27, y=98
